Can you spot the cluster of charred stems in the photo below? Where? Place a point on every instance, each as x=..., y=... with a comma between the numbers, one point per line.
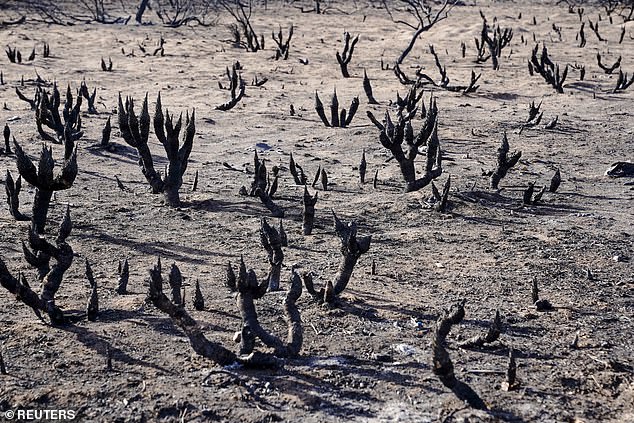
x=490, y=46
x=38, y=254
x=443, y=367
x=504, y=162
x=623, y=83
x=283, y=47
x=236, y=87
x=352, y=247
x=43, y=179
x=15, y=56
x=67, y=125
x=263, y=186
x=394, y=134
x=529, y=196
x=106, y=67
x=338, y=119
x=345, y=56
x=135, y=132
x=242, y=31
x=273, y=240
x=247, y=289
x=547, y=69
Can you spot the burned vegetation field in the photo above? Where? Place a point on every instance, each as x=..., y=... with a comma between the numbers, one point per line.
x=317, y=211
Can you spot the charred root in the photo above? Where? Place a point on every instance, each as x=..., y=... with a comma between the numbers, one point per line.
x=441, y=199
x=492, y=41
x=67, y=125
x=249, y=289
x=297, y=172
x=264, y=187
x=199, y=300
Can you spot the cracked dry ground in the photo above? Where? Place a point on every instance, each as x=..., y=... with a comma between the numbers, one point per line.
x=368, y=359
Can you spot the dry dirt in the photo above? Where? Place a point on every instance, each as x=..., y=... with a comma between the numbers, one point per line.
x=369, y=359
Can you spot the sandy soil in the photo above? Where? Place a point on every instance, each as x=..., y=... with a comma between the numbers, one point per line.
x=369, y=359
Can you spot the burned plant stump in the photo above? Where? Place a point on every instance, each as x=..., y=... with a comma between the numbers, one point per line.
x=337, y=119
x=547, y=69
x=262, y=186
x=237, y=87
x=43, y=251
x=124, y=277
x=44, y=180
x=504, y=162
x=283, y=47
x=183, y=320
x=247, y=291
x=7, y=134
x=492, y=334
x=440, y=199
x=14, y=55
x=199, y=300
x=346, y=55
x=271, y=240
x=106, y=67
x=135, y=132
x=442, y=365
x=90, y=98
x=555, y=181
x=352, y=248
x=67, y=126
x=367, y=87
x=393, y=135
x=308, y=214
x=12, y=189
